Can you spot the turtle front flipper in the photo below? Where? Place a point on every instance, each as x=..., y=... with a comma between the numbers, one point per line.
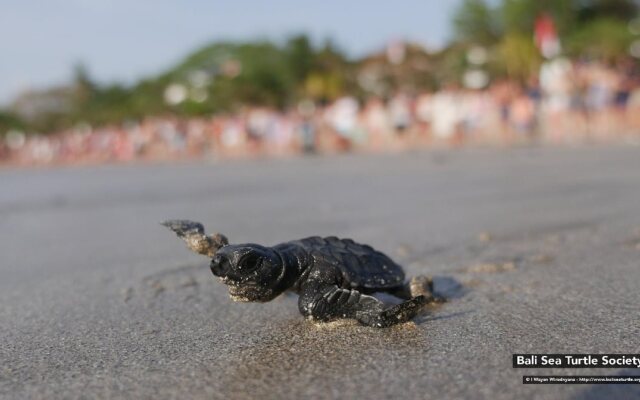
x=193, y=235
x=328, y=302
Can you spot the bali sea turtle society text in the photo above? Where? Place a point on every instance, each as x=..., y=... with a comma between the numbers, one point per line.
x=569, y=360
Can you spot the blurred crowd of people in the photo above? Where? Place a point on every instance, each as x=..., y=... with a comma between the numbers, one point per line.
x=568, y=102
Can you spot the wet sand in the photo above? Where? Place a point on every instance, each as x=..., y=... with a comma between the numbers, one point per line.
x=537, y=250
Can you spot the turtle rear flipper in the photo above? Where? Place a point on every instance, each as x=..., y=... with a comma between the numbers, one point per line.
x=193, y=235
x=418, y=286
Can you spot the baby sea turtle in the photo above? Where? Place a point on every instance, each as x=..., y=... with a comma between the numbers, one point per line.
x=334, y=277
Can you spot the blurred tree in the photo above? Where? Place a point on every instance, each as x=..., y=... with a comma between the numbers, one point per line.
x=593, y=28
x=265, y=79
x=9, y=121
x=451, y=65
x=111, y=104
x=621, y=10
x=520, y=15
x=300, y=56
x=519, y=56
x=600, y=38
x=82, y=85
x=331, y=75
x=477, y=22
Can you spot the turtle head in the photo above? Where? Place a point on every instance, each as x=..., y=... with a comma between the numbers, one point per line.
x=252, y=272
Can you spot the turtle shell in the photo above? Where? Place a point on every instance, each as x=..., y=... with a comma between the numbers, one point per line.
x=361, y=265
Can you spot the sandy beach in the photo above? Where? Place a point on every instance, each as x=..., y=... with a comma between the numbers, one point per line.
x=537, y=250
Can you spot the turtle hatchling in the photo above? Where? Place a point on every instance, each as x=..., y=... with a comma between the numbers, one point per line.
x=334, y=277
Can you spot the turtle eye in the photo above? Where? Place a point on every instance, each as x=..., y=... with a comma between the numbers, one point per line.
x=250, y=262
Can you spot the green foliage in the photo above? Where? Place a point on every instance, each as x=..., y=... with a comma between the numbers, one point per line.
x=476, y=22
x=520, y=15
x=9, y=121
x=234, y=75
x=301, y=57
x=452, y=63
x=593, y=28
x=519, y=56
x=620, y=10
x=479, y=23
x=601, y=38
x=218, y=77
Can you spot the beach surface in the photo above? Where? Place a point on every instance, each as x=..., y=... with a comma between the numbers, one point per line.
x=537, y=250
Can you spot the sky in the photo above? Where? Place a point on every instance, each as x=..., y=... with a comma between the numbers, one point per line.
x=123, y=40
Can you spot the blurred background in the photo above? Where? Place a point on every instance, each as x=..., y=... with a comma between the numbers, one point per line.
x=98, y=81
